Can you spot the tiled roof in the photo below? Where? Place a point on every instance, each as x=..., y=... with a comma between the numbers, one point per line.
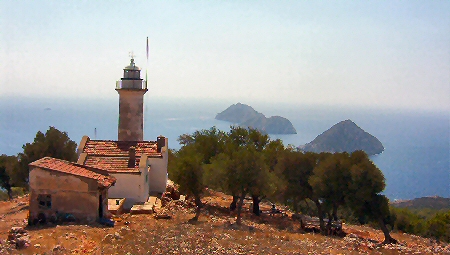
x=112, y=164
x=101, y=176
x=113, y=155
x=120, y=148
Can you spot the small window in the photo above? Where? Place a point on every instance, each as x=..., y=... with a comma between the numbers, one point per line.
x=45, y=201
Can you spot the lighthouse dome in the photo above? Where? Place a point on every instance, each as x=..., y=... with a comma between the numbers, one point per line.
x=132, y=66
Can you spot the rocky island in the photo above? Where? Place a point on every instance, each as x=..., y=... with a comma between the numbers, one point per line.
x=344, y=136
x=245, y=115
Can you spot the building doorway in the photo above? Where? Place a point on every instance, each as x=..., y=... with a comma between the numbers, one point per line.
x=100, y=206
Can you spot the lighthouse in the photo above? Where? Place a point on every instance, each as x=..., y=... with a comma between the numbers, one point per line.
x=131, y=89
x=139, y=167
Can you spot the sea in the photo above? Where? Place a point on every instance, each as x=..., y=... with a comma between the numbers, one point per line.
x=415, y=162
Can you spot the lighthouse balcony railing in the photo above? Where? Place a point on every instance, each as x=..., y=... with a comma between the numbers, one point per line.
x=131, y=84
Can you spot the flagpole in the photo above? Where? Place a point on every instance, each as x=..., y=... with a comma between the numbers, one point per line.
x=146, y=80
x=146, y=68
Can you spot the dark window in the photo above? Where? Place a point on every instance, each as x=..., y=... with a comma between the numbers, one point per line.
x=45, y=201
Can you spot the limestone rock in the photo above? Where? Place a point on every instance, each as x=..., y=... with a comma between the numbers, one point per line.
x=18, y=236
x=58, y=248
x=108, y=238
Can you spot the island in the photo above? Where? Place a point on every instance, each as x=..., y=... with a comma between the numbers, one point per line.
x=245, y=115
x=344, y=136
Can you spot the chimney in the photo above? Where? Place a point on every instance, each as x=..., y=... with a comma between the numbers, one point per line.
x=160, y=142
x=132, y=157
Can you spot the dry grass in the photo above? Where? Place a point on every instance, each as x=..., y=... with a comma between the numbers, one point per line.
x=214, y=233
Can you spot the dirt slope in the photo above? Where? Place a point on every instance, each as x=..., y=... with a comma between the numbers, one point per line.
x=215, y=233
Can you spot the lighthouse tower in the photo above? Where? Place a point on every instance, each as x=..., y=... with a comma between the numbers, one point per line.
x=131, y=89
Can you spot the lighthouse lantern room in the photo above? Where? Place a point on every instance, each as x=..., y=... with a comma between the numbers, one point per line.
x=131, y=89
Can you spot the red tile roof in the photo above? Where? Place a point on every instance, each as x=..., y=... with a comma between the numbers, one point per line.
x=112, y=164
x=120, y=148
x=101, y=176
x=113, y=155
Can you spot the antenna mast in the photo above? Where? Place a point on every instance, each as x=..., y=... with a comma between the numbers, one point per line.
x=146, y=80
x=146, y=67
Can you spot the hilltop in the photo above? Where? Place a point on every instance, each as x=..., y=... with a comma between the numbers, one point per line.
x=344, y=136
x=246, y=116
x=434, y=202
x=215, y=233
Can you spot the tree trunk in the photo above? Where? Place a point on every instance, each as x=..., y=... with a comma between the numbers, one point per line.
x=310, y=211
x=233, y=203
x=387, y=236
x=256, y=201
x=319, y=211
x=294, y=205
x=239, y=208
x=335, y=208
x=9, y=190
x=199, y=205
x=330, y=218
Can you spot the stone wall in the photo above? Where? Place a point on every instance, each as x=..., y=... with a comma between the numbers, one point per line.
x=158, y=170
x=68, y=194
x=131, y=118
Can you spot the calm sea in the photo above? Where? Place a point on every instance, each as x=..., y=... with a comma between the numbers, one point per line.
x=416, y=160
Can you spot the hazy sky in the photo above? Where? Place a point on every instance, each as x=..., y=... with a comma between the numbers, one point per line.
x=363, y=53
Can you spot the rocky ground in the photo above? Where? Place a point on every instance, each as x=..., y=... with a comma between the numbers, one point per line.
x=214, y=233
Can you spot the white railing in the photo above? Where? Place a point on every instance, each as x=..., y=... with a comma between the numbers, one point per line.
x=131, y=84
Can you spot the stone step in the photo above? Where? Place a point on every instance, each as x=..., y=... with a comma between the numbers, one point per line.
x=145, y=208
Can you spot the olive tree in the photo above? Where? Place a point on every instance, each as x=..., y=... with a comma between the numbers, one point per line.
x=53, y=143
x=187, y=165
x=8, y=166
x=186, y=169
x=267, y=150
x=364, y=198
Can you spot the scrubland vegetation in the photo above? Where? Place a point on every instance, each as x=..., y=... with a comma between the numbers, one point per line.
x=423, y=222
x=244, y=162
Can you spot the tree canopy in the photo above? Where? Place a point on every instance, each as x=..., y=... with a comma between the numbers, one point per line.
x=187, y=172
x=246, y=162
x=52, y=143
x=14, y=169
x=186, y=166
x=8, y=166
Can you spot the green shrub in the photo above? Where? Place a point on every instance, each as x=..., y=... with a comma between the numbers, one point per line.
x=408, y=222
x=16, y=192
x=439, y=226
x=3, y=195
x=424, y=222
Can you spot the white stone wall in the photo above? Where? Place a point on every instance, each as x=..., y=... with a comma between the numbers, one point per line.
x=130, y=186
x=158, y=171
